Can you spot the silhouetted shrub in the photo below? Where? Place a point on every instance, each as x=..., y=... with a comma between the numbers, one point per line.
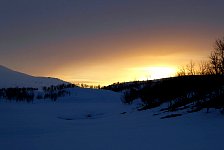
x=129, y=96
x=54, y=92
x=28, y=94
x=18, y=94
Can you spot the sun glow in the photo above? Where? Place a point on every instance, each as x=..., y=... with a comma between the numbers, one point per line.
x=151, y=73
x=122, y=75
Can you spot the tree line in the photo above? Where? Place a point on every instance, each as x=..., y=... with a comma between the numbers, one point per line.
x=18, y=94
x=29, y=94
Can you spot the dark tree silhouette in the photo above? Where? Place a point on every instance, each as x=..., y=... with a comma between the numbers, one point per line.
x=204, y=68
x=191, y=68
x=217, y=57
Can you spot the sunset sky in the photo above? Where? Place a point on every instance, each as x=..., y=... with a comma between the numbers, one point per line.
x=106, y=41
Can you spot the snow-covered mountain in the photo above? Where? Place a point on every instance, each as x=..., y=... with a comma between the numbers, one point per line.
x=11, y=78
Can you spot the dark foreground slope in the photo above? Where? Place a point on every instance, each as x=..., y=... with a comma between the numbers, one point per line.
x=191, y=92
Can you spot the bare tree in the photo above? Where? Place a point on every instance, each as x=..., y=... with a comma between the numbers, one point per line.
x=214, y=62
x=204, y=68
x=217, y=57
x=181, y=71
x=191, y=68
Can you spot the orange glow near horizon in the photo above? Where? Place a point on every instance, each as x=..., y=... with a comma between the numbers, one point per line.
x=108, y=59
x=152, y=73
x=137, y=63
x=95, y=77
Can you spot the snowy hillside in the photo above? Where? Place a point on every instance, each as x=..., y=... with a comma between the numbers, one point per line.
x=97, y=120
x=10, y=78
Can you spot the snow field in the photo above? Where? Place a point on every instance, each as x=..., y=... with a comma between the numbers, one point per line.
x=93, y=119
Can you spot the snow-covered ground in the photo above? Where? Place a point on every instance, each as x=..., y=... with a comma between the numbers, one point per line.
x=95, y=120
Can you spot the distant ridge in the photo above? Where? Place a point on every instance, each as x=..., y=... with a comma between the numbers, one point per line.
x=11, y=78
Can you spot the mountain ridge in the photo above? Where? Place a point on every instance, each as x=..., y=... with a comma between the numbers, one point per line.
x=11, y=78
